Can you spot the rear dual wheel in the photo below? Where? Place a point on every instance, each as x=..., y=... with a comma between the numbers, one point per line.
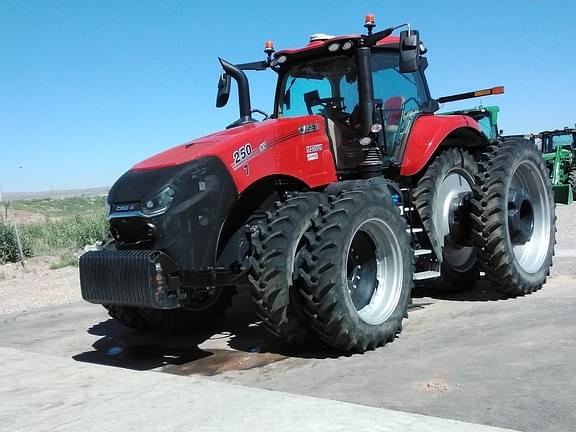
x=442, y=199
x=514, y=217
x=572, y=180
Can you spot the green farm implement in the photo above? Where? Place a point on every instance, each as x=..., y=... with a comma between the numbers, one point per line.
x=559, y=152
x=487, y=118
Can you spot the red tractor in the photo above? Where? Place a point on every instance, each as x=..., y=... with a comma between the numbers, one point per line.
x=331, y=208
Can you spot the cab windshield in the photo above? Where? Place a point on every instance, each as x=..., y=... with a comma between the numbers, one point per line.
x=551, y=142
x=319, y=86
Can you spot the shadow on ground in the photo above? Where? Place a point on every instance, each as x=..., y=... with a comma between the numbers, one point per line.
x=480, y=292
x=236, y=342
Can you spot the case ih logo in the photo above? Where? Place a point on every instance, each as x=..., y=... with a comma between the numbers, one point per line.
x=308, y=128
x=126, y=207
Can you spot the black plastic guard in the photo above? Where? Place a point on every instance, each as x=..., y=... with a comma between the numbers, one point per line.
x=141, y=278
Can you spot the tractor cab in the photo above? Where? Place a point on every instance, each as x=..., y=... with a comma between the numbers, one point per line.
x=368, y=88
x=552, y=140
x=558, y=149
x=328, y=79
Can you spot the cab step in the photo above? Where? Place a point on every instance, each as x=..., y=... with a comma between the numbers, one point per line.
x=420, y=252
x=430, y=274
x=414, y=230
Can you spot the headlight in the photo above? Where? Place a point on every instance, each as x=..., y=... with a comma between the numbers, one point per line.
x=158, y=203
x=333, y=47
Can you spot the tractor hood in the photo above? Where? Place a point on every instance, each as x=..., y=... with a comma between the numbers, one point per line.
x=224, y=144
x=297, y=147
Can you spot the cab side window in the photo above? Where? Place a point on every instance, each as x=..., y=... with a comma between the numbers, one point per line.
x=296, y=105
x=396, y=90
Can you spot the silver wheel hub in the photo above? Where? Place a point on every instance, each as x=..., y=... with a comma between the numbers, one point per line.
x=450, y=196
x=529, y=219
x=375, y=271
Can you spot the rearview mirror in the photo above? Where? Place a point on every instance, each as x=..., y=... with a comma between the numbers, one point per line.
x=311, y=99
x=223, y=90
x=409, y=51
x=286, y=99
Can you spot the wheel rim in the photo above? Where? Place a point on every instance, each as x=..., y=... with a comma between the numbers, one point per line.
x=531, y=250
x=375, y=271
x=455, y=184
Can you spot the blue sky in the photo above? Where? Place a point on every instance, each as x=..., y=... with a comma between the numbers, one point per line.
x=88, y=88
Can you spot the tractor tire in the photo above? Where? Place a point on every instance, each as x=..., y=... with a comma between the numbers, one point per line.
x=451, y=175
x=359, y=269
x=129, y=317
x=199, y=315
x=274, y=267
x=572, y=180
x=514, y=217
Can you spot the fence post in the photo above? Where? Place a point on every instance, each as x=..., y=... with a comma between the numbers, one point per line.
x=18, y=241
x=19, y=245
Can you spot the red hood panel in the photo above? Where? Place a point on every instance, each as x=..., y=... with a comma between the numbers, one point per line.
x=296, y=147
x=209, y=145
x=223, y=144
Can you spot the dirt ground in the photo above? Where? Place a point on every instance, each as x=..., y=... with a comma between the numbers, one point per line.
x=35, y=286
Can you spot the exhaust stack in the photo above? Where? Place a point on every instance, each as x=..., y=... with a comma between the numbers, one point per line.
x=243, y=93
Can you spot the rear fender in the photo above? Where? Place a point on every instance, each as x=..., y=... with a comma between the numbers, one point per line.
x=431, y=131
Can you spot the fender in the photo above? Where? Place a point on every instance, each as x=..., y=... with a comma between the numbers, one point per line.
x=426, y=135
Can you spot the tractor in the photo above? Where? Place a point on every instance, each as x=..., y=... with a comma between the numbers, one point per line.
x=558, y=149
x=487, y=118
x=331, y=208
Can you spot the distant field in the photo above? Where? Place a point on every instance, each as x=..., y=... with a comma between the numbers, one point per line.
x=55, y=194
x=58, y=209
x=52, y=226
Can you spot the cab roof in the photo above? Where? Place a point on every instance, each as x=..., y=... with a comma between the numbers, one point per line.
x=321, y=40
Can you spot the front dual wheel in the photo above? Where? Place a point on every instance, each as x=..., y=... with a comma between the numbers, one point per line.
x=358, y=271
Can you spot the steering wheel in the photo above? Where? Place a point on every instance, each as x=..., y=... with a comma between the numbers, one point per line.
x=312, y=99
x=413, y=99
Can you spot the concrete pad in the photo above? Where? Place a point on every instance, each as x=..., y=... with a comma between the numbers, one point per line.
x=39, y=392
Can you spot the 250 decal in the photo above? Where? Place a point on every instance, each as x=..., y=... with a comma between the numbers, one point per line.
x=241, y=154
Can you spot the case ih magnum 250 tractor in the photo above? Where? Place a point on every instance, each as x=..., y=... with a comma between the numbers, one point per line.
x=330, y=208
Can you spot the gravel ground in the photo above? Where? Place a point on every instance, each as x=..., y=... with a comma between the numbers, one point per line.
x=37, y=286
x=566, y=227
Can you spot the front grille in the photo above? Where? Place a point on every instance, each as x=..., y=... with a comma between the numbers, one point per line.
x=141, y=278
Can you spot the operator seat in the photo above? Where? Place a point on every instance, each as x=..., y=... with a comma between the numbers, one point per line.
x=343, y=140
x=392, y=111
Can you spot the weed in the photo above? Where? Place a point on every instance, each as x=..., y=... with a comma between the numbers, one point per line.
x=53, y=237
x=9, y=246
x=66, y=260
